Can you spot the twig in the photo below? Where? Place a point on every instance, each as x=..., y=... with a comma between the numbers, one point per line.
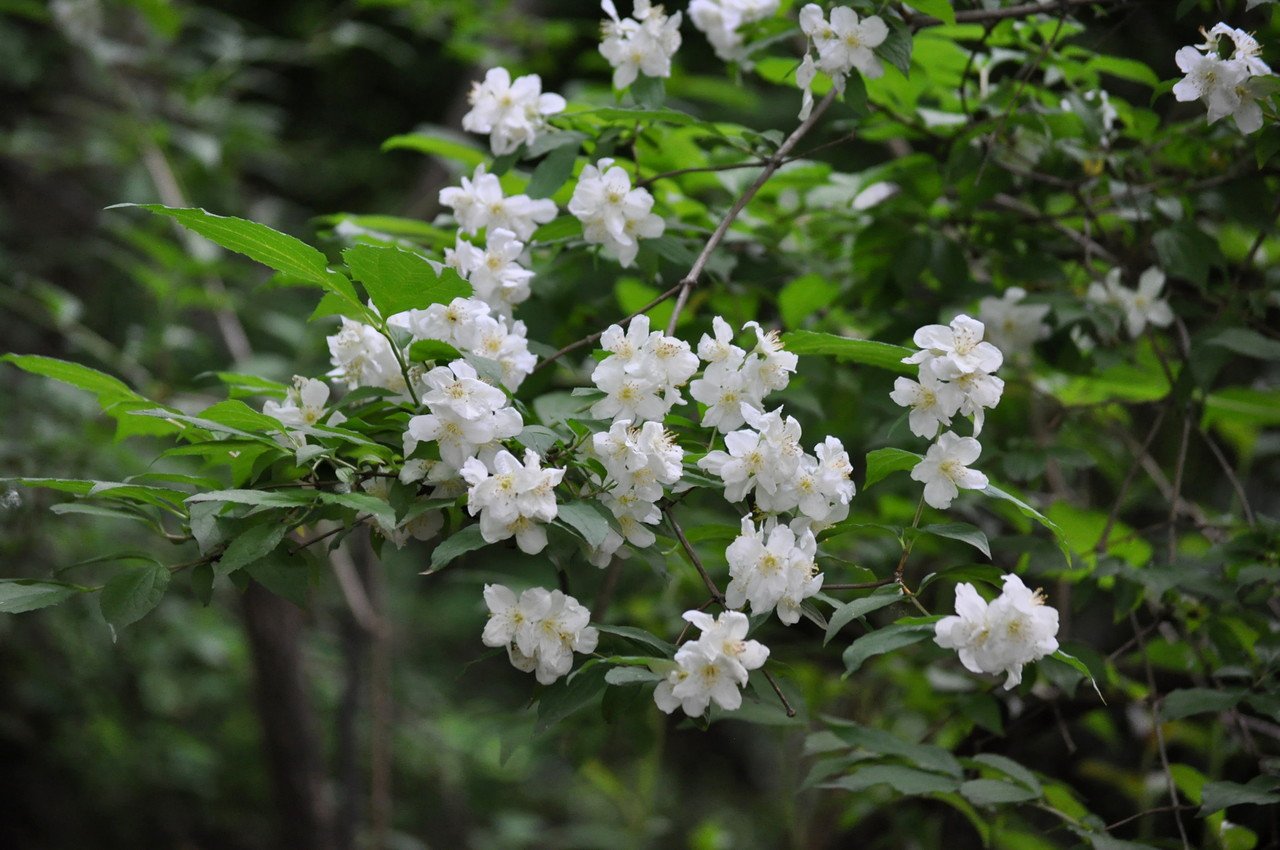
x=774, y=163
x=327, y=534
x=1087, y=243
x=866, y=585
x=701, y=169
x=907, y=545
x=1155, y=811
x=979, y=16
x=1153, y=696
x=791, y=712
x=1249, y=516
x=1101, y=545
x=590, y=338
x=1176, y=494
x=693, y=558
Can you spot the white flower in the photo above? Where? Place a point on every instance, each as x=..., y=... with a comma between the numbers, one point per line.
x=1142, y=306
x=1011, y=326
x=479, y=204
x=645, y=42
x=772, y=567
x=612, y=213
x=513, y=113
x=456, y=388
x=494, y=272
x=1000, y=637
x=843, y=43
x=642, y=375
x=469, y=326
x=512, y=499
x=304, y=405
x=712, y=668
x=954, y=350
x=765, y=460
x=467, y=415
x=1226, y=85
x=720, y=21
x=541, y=630
x=734, y=378
x=362, y=357
x=944, y=469
x=928, y=411
x=1245, y=48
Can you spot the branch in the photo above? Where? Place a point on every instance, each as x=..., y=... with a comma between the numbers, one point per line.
x=694, y=559
x=981, y=16
x=590, y=338
x=774, y=163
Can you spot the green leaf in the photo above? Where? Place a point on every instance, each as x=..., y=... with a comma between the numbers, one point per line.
x=940, y=9
x=463, y=540
x=896, y=48
x=437, y=145
x=1028, y=511
x=553, y=172
x=252, y=543
x=1125, y=69
x=104, y=386
x=132, y=594
x=804, y=297
x=639, y=636
x=962, y=531
x=433, y=349
x=1188, y=252
x=586, y=517
x=882, y=462
x=925, y=756
x=399, y=280
x=990, y=792
x=1242, y=405
x=1191, y=701
x=867, y=352
x=564, y=227
x=20, y=595
x=1012, y=769
x=649, y=92
x=884, y=640
x=1260, y=791
x=881, y=597
x=568, y=696
x=288, y=577
x=1248, y=343
x=287, y=255
x=904, y=780
x=1081, y=668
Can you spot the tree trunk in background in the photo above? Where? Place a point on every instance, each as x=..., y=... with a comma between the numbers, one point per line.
x=292, y=748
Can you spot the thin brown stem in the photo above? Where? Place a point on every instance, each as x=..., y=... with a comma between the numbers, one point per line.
x=590, y=338
x=979, y=16
x=907, y=546
x=1101, y=545
x=774, y=163
x=786, y=706
x=1157, y=810
x=693, y=558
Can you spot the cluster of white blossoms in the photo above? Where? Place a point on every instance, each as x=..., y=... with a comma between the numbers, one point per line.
x=733, y=378
x=645, y=42
x=843, y=43
x=541, y=630
x=467, y=416
x=512, y=499
x=1141, y=307
x=304, y=405
x=479, y=204
x=1225, y=84
x=642, y=376
x=773, y=567
x=1011, y=326
x=612, y=213
x=362, y=357
x=999, y=637
x=955, y=378
x=512, y=113
x=638, y=462
x=468, y=324
x=712, y=668
x=494, y=271
x=767, y=461
x=720, y=20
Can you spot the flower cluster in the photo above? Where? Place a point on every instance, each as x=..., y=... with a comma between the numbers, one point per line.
x=494, y=271
x=466, y=416
x=512, y=499
x=767, y=460
x=712, y=668
x=734, y=378
x=638, y=462
x=1011, y=326
x=512, y=113
x=469, y=326
x=720, y=21
x=612, y=213
x=479, y=204
x=645, y=42
x=642, y=376
x=843, y=43
x=541, y=630
x=362, y=357
x=1141, y=307
x=1226, y=85
x=1000, y=637
x=955, y=376
x=304, y=405
x=772, y=567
